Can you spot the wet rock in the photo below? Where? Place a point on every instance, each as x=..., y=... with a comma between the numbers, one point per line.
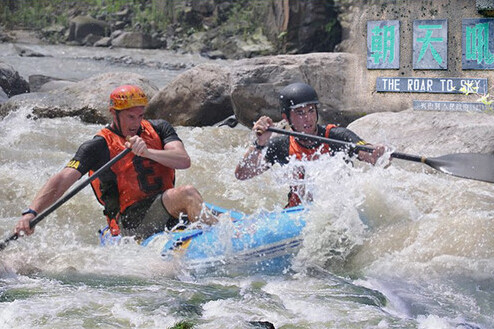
x=261, y=325
x=135, y=40
x=215, y=54
x=27, y=52
x=429, y=133
x=90, y=40
x=11, y=82
x=38, y=80
x=87, y=99
x=209, y=93
x=81, y=26
x=55, y=84
x=197, y=97
x=103, y=42
x=256, y=83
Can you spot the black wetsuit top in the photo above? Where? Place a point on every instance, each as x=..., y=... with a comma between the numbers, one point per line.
x=278, y=147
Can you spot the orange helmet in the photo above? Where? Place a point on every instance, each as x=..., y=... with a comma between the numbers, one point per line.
x=127, y=96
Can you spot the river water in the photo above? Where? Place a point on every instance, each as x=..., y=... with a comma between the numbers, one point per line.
x=384, y=247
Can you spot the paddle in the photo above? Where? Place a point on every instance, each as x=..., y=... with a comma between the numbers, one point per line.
x=477, y=166
x=67, y=196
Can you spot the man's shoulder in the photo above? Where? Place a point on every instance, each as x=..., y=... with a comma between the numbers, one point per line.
x=165, y=130
x=95, y=143
x=159, y=123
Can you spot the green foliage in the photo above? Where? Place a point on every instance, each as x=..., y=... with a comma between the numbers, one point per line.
x=34, y=14
x=329, y=26
x=152, y=16
x=38, y=14
x=182, y=325
x=245, y=16
x=484, y=99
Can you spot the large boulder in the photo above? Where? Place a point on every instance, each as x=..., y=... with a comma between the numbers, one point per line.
x=135, y=40
x=37, y=81
x=249, y=88
x=429, y=133
x=55, y=84
x=11, y=82
x=82, y=26
x=87, y=99
x=256, y=83
x=198, y=97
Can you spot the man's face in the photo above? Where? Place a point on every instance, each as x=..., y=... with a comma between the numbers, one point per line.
x=304, y=119
x=130, y=120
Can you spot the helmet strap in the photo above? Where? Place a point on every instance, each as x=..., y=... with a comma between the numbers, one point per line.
x=118, y=126
x=287, y=114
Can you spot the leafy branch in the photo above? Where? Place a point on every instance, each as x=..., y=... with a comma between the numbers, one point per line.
x=485, y=99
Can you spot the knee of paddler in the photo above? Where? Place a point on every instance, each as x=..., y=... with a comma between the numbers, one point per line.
x=190, y=192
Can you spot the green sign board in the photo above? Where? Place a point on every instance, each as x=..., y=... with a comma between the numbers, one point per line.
x=430, y=44
x=383, y=44
x=477, y=44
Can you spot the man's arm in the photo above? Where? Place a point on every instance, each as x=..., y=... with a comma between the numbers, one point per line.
x=53, y=189
x=173, y=154
x=252, y=164
x=347, y=135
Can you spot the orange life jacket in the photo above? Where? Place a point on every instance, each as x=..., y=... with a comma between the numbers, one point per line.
x=303, y=153
x=137, y=178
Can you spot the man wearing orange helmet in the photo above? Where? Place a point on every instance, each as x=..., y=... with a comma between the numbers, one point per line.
x=138, y=192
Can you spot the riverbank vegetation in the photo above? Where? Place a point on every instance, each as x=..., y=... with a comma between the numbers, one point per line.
x=146, y=15
x=230, y=29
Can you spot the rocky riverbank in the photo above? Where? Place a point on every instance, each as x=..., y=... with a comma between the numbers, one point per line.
x=216, y=29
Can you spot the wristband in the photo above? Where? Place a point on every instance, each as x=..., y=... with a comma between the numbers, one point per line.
x=29, y=211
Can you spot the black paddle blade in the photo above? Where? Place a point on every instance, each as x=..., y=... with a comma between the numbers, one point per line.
x=478, y=166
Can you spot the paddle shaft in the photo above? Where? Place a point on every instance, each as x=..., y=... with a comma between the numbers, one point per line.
x=477, y=166
x=68, y=195
x=350, y=145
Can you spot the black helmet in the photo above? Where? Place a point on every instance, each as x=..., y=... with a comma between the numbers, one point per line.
x=297, y=95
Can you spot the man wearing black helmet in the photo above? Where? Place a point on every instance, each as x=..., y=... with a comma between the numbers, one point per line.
x=299, y=103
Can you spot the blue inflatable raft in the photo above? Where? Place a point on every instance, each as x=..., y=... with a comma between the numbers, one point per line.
x=264, y=242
